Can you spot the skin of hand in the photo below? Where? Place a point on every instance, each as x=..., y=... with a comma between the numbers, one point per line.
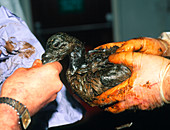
x=34, y=87
x=145, y=45
x=142, y=89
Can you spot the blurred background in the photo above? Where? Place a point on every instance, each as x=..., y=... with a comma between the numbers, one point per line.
x=92, y=21
x=96, y=22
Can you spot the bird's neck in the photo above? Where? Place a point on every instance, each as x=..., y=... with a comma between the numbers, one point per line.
x=77, y=58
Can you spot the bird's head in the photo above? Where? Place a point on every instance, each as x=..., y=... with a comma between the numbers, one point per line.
x=58, y=46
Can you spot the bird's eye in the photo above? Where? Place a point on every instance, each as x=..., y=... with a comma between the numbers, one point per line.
x=56, y=44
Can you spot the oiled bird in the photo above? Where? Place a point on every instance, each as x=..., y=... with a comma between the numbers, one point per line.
x=89, y=74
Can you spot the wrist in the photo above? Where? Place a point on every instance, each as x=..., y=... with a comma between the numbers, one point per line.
x=166, y=85
x=167, y=46
x=9, y=118
x=20, y=108
x=165, y=40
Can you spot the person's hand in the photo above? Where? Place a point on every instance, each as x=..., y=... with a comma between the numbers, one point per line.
x=145, y=45
x=142, y=89
x=34, y=87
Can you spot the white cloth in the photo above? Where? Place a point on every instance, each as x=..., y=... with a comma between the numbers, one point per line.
x=15, y=32
x=165, y=36
x=68, y=112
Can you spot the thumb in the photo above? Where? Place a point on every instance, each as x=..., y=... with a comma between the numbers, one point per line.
x=131, y=45
x=37, y=63
x=129, y=59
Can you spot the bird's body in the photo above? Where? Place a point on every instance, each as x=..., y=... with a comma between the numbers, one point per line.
x=89, y=74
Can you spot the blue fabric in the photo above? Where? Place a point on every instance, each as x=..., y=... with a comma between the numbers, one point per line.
x=14, y=31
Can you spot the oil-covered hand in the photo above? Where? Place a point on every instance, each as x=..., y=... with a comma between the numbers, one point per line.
x=35, y=86
x=145, y=45
x=142, y=89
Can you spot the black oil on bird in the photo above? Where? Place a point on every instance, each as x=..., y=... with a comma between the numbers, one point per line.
x=89, y=73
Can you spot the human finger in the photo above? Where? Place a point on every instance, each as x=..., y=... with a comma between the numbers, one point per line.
x=37, y=63
x=109, y=45
x=145, y=45
x=117, y=108
x=114, y=94
x=129, y=59
x=131, y=45
x=122, y=106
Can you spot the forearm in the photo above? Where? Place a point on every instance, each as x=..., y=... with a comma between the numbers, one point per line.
x=9, y=118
